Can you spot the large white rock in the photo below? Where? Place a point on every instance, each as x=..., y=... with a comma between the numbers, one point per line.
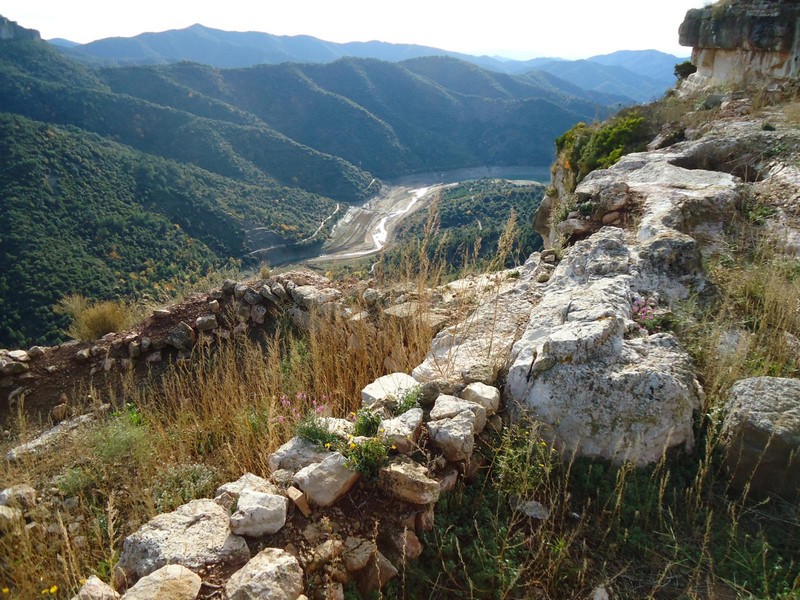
x=248, y=481
x=47, y=440
x=259, y=514
x=96, y=589
x=581, y=369
x=454, y=437
x=195, y=535
x=447, y=407
x=310, y=297
x=296, y=454
x=761, y=434
x=403, y=431
x=325, y=482
x=478, y=347
x=487, y=396
x=395, y=385
x=171, y=582
x=407, y=480
x=272, y=574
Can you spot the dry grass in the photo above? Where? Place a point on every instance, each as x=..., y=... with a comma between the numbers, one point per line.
x=92, y=320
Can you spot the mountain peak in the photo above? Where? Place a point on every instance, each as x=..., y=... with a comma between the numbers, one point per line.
x=10, y=30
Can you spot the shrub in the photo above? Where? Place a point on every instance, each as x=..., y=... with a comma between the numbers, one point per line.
x=367, y=422
x=179, y=484
x=93, y=320
x=367, y=458
x=315, y=431
x=410, y=399
x=684, y=69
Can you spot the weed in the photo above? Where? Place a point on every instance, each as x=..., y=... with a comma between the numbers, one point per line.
x=313, y=430
x=367, y=422
x=367, y=457
x=179, y=484
x=410, y=399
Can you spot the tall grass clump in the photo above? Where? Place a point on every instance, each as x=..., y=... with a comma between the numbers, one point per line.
x=92, y=320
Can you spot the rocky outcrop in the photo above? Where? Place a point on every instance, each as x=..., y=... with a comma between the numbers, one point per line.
x=9, y=30
x=743, y=42
x=584, y=368
x=761, y=435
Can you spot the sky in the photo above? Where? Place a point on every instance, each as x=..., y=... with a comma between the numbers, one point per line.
x=519, y=29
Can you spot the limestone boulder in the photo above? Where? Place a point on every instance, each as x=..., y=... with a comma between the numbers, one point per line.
x=761, y=435
x=206, y=322
x=182, y=337
x=248, y=481
x=394, y=385
x=454, y=437
x=580, y=368
x=272, y=574
x=170, y=582
x=479, y=346
x=259, y=513
x=196, y=535
x=487, y=396
x=11, y=520
x=408, y=481
x=403, y=431
x=296, y=454
x=325, y=482
x=310, y=297
x=447, y=407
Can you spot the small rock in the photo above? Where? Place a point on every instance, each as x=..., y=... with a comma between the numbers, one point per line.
x=182, y=337
x=59, y=412
x=154, y=357
x=213, y=306
x=161, y=313
x=259, y=514
x=14, y=368
x=407, y=544
x=272, y=574
x=279, y=291
x=610, y=218
x=37, y=351
x=19, y=355
x=11, y=519
x=325, y=553
x=248, y=481
x=258, y=314
x=403, y=431
x=534, y=510
x=296, y=454
x=18, y=496
x=408, y=481
x=448, y=481
x=228, y=287
x=357, y=552
x=134, y=349
x=447, y=407
x=171, y=582
x=206, y=323
x=454, y=437
x=96, y=589
x=324, y=483
x=394, y=385
x=299, y=499
x=51, y=369
x=109, y=364
x=487, y=396
x=600, y=593
x=268, y=295
x=378, y=572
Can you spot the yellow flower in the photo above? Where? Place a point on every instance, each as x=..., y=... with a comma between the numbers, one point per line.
x=394, y=447
x=352, y=445
x=6, y=590
x=328, y=445
x=53, y=589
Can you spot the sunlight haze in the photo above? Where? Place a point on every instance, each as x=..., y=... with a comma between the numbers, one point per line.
x=576, y=29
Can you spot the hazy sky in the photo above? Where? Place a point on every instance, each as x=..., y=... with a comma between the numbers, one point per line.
x=512, y=28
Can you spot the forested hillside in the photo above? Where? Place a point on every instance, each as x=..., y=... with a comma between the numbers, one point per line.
x=123, y=181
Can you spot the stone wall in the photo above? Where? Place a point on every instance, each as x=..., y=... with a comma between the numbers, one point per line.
x=743, y=42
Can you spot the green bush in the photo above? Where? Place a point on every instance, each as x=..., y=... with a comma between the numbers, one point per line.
x=179, y=484
x=367, y=458
x=367, y=422
x=684, y=69
x=407, y=401
x=313, y=430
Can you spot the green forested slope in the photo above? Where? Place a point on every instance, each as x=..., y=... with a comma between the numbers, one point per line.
x=82, y=214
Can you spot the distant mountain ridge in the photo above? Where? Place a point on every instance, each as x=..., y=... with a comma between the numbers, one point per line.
x=628, y=76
